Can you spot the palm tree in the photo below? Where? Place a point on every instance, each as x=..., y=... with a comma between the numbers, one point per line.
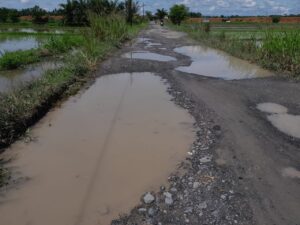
x=161, y=13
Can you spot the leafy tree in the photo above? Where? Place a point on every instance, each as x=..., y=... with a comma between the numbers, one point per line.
x=161, y=13
x=131, y=10
x=4, y=13
x=195, y=14
x=149, y=15
x=275, y=19
x=178, y=13
x=39, y=15
x=14, y=16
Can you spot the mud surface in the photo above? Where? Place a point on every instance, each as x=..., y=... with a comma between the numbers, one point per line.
x=241, y=169
x=93, y=157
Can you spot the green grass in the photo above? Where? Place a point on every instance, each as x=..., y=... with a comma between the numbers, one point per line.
x=13, y=60
x=279, y=48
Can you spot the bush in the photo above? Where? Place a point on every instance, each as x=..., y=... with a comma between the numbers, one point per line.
x=178, y=13
x=61, y=44
x=13, y=60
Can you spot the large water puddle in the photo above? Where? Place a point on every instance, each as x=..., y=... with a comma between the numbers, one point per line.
x=12, y=79
x=214, y=63
x=96, y=155
x=145, y=55
x=9, y=44
x=281, y=119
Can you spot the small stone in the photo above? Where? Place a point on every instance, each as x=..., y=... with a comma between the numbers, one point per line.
x=203, y=205
x=151, y=211
x=149, y=198
x=206, y=159
x=223, y=197
x=173, y=189
x=168, y=199
x=142, y=210
x=188, y=210
x=196, y=185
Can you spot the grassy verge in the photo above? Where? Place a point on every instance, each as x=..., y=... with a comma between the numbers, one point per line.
x=277, y=50
x=54, y=45
x=25, y=106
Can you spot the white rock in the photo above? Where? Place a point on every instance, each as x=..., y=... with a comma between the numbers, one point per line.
x=203, y=205
x=149, y=198
x=196, y=185
x=206, y=159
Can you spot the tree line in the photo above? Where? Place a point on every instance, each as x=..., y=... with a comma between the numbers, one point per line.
x=75, y=12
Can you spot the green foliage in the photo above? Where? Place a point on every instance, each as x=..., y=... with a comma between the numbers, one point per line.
x=195, y=14
x=39, y=15
x=60, y=44
x=178, y=13
x=161, y=13
x=13, y=60
x=111, y=28
x=281, y=51
x=275, y=19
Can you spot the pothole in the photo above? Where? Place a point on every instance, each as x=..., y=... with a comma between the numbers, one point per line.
x=214, y=63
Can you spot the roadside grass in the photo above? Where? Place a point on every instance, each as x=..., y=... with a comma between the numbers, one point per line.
x=24, y=106
x=278, y=50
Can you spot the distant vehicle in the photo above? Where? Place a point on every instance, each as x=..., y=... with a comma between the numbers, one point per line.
x=162, y=23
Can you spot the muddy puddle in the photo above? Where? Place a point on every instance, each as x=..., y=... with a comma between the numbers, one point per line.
x=14, y=44
x=97, y=154
x=145, y=55
x=280, y=118
x=214, y=63
x=12, y=79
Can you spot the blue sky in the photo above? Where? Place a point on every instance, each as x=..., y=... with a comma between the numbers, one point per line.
x=206, y=7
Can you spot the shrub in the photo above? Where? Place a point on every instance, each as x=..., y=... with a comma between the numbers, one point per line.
x=13, y=60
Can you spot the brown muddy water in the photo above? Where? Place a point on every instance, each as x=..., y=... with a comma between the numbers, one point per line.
x=145, y=55
x=12, y=79
x=214, y=63
x=96, y=155
x=281, y=119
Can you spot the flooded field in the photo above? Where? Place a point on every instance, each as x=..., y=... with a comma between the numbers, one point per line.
x=98, y=153
x=11, y=44
x=12, y=79
x=32, y=30
x=145, y=55
x=214, y=63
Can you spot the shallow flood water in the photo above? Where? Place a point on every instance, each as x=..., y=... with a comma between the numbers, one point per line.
x=145, y=55
x=10, y=44
x=214, y=63
x=12, y=79
x=96, y=155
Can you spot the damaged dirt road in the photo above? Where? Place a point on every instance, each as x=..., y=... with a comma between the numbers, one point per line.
x=254, y=175
x=118, y=142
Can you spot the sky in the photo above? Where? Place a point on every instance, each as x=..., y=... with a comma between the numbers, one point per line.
x=206, y=7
